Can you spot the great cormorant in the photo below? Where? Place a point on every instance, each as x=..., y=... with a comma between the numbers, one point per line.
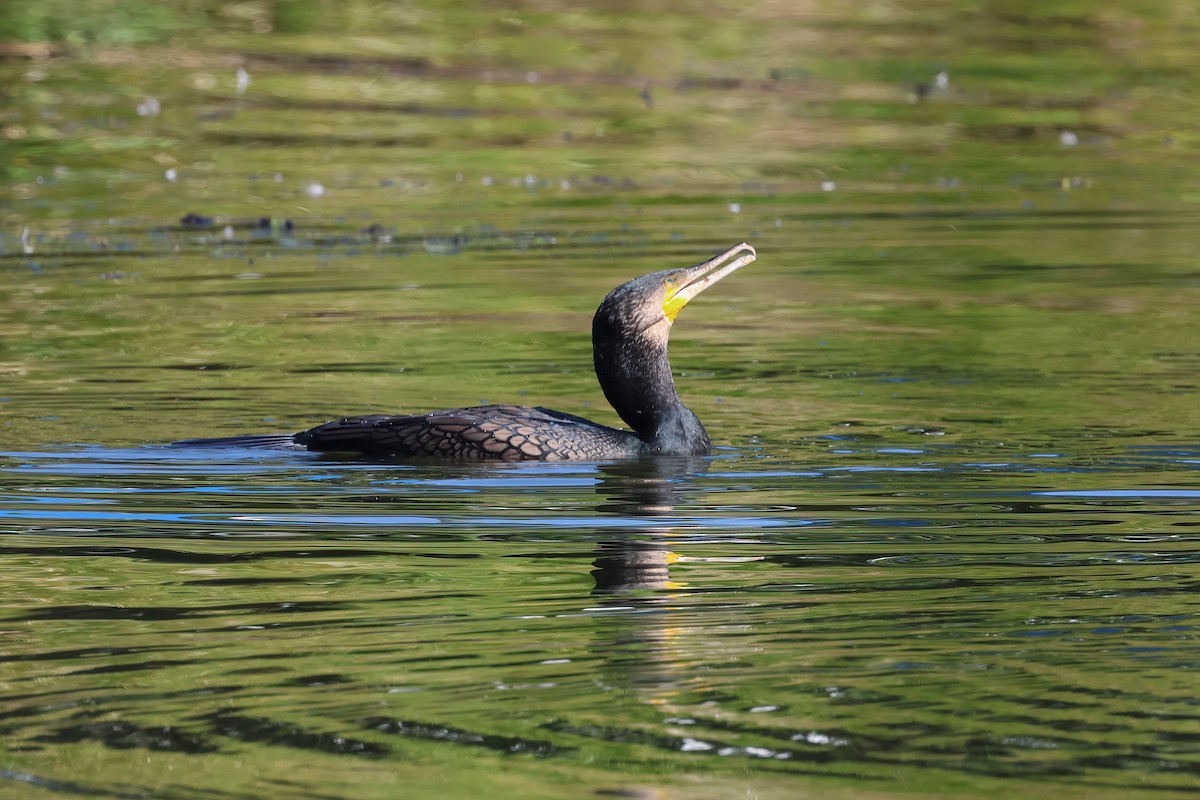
x=629, y=348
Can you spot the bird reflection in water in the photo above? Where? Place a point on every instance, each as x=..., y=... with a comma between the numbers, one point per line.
x=640, y=559
x=646, y=632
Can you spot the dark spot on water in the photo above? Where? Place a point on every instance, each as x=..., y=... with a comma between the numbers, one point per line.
x=195, y=221
x=268, y=731
x=444, y=733
x=125, y=735
x=330, y=679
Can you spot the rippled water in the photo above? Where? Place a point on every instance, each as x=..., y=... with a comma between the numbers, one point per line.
x=947, y=543
x=878, y=615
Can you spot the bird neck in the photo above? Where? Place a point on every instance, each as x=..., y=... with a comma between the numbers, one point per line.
x=635, y=374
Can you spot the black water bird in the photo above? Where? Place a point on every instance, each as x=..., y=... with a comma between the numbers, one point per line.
x=629, y=348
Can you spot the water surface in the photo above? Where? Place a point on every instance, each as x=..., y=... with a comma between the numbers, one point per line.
x=945, y=547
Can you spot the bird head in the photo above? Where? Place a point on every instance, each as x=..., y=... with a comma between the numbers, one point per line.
x=649, y=304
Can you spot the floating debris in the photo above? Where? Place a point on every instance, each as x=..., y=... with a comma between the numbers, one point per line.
x=378, y=233
x=195, y=221
x=150, y=107
x=274, y=223
x=924, y=89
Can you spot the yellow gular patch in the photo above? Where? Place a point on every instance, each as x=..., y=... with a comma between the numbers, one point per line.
x=673, y=304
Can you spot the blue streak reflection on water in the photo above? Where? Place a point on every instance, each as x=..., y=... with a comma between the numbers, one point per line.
x=867, y=598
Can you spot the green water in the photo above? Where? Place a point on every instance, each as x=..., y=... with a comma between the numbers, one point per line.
x=945, y=548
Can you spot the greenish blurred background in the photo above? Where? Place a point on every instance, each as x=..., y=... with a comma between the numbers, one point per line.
x=944, y=550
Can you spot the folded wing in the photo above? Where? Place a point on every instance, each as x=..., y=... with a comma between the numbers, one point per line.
x=507, y=433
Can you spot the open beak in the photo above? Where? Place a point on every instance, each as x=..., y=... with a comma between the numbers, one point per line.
x=691, y=281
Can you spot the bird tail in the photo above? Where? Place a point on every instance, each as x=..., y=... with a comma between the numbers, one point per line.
x=261, y=441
